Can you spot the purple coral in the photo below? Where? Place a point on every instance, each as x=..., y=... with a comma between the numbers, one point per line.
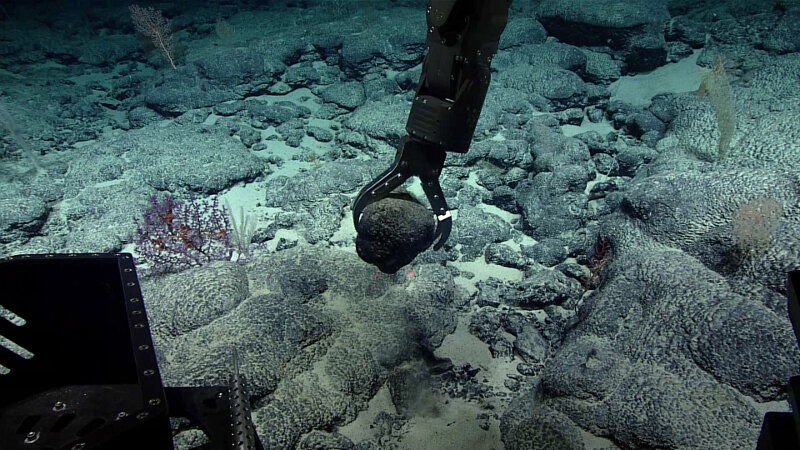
x=174, y=235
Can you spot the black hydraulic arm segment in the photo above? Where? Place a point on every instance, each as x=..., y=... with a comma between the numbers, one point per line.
x=462, y=38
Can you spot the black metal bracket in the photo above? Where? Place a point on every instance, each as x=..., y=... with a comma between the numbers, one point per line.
x=77, y=364
x=781, y=430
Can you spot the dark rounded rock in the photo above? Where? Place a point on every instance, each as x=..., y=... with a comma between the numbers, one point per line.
x=393, y=231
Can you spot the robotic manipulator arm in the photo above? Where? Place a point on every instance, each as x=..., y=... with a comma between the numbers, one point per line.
x=462, y=39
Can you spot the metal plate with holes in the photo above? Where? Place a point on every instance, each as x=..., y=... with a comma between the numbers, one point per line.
x=77, y=366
